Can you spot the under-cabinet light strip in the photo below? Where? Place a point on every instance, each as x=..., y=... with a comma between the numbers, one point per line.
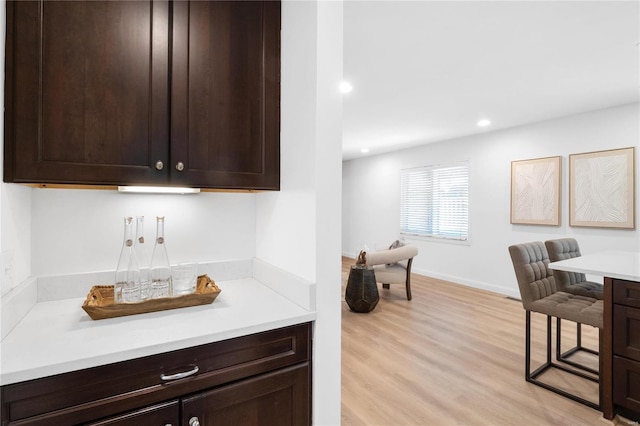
x=158, y=190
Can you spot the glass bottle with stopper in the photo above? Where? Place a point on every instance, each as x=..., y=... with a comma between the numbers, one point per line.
x=127, y=287
x=143, y=259
x=160, y=266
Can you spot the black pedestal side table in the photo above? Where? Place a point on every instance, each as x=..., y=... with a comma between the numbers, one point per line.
x=362, y=291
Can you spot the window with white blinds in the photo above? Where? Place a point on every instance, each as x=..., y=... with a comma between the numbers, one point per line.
x=434, y=201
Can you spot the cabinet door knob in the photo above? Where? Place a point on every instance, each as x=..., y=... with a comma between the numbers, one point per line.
x=180, y=166
x=159, y=165
x=193, y=421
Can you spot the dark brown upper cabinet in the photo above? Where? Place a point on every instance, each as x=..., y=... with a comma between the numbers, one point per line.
x=143, y=92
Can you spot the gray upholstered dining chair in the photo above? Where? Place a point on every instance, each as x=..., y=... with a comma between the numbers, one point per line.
x=574, y=283
x=571, y=282
x=539, y=293
x=393, y=266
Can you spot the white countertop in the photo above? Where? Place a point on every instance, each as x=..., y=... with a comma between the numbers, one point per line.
x=614, y=264
x=58, y=336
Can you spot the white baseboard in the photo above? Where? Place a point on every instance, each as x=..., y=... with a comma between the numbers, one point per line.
x=350, y=255
x=457, y=280
x=469, y=283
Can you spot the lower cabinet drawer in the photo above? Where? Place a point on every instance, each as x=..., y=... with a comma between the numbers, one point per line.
x=626, y=389
x=281, y=397
x=86, y=395
x=167, y=414
x=626, y=293
x=626, y=332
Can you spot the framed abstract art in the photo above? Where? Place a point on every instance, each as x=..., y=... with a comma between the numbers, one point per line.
x=535, y=191
x=601, y=189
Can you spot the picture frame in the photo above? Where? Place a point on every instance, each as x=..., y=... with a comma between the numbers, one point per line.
x=602, y=189
x=536, y=191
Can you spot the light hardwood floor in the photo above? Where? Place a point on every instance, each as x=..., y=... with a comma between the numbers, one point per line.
x=452, y=356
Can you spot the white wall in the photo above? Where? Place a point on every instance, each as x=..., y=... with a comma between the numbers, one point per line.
x=82, y=230
x=371, y=195
x=286, y=220
x=15, y=235
x=298, y=228
x=15, y=210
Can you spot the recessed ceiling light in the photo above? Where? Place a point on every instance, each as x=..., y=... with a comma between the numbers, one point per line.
x=364, y=150
x=345, y=87
x=483, y=123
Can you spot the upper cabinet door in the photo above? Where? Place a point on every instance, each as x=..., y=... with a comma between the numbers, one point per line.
x=225, y=94
x=87, y=92
x=143, y=92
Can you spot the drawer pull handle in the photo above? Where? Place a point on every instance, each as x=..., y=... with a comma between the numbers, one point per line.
x=182, y=375
x=193, y=421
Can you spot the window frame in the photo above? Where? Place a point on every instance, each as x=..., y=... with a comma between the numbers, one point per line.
x=429, y=233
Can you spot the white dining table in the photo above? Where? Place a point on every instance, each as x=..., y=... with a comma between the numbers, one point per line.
x=624, y=265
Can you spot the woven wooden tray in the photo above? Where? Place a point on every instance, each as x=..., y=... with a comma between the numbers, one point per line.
x=99, y=303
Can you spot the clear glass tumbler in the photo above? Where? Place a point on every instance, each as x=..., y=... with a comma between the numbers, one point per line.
x=184, y=277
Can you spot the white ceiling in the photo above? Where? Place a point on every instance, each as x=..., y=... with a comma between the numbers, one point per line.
x=427, y=71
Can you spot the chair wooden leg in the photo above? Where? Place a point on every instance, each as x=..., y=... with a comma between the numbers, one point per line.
x=408, y=282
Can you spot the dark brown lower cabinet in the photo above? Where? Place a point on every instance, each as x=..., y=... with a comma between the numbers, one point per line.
x=626, y=394
x=626, y=348
x=260, y=379
x=277, y=398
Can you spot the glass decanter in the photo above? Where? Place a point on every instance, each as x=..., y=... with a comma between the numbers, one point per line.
x=143, y=260
x=160, y=267
x=127, y=287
